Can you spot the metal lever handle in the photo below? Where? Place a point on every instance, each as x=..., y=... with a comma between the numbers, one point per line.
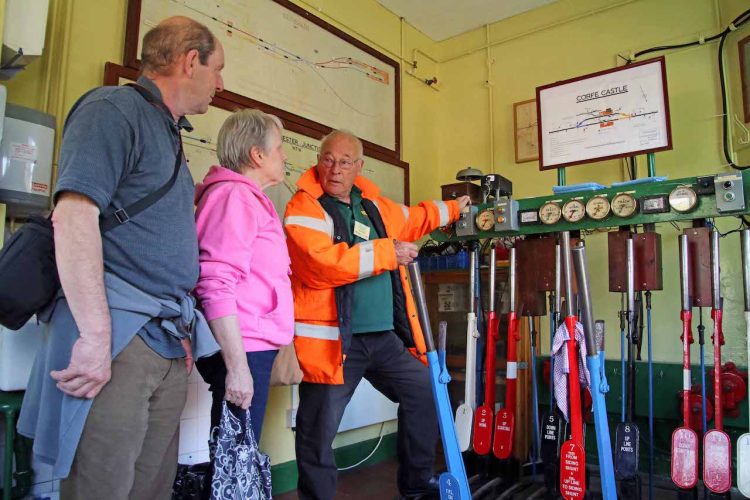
x=745, y=239
x=715, y=270
x=582, y=278
x=685, y=273
x=512, y=273
x=493, y=276
x=568, y=272
x=415, y=276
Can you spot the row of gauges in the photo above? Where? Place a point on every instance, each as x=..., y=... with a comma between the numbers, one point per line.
x=681, y=199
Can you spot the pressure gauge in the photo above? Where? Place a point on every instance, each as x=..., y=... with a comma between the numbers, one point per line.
x=485, y=220
x=550, y=213
x=683, y=199
x=573, y=211
x=624, y=205
x=598, y=207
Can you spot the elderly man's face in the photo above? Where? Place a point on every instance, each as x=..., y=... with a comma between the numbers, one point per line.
x=207, y=80
x=339, y=164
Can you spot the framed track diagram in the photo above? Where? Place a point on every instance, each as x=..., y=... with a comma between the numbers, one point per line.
x=303, y=69
x=367, y=406
x=302, y=150
x=605, y=115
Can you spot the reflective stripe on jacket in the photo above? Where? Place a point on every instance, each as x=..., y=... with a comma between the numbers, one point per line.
x=324, y=264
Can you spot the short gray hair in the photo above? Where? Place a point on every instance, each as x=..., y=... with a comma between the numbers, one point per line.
x=243, y=130
x=172, y=38
x=345, y=133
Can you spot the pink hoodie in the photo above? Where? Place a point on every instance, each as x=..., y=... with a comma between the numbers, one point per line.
x=244, y=262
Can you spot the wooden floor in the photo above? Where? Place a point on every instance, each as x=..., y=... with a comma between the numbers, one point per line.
x=378, y=482
x=374, y=482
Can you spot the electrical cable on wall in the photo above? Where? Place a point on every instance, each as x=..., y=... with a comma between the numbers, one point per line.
x=377, y=445
x=739, y=21
x=722, y=36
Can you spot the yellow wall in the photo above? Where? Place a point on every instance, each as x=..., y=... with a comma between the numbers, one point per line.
x=446, y=130
x=574, y=37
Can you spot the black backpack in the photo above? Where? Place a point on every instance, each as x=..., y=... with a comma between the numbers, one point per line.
x=28, y=271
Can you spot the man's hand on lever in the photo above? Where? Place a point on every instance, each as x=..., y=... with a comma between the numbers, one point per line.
x=463, y=201
x=405, y=252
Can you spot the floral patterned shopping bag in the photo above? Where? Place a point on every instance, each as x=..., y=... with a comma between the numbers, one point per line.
x=240, y=470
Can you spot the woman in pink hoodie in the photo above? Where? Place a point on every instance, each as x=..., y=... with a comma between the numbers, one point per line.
x=244, y=286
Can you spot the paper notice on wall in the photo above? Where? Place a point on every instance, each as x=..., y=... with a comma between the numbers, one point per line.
x=23, y=152
x=451, y=298
x=447, y=302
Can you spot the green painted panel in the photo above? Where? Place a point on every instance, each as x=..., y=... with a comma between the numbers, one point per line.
x=705, y=208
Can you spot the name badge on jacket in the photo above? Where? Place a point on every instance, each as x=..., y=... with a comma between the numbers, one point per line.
x=361, y=230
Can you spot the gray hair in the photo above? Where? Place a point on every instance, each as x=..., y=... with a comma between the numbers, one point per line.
x=172, y=38
x=243, y=130
x=343, y=133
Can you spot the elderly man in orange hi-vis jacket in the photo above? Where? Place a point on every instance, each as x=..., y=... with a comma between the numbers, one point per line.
x=354, y=314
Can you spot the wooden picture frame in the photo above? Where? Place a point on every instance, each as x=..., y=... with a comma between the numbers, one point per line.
x=744, y=53
x=298, y=15
x=586, y=119
x=525, y=133
x=113, y=73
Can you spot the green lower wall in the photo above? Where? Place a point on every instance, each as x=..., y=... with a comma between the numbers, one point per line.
x=284, y=476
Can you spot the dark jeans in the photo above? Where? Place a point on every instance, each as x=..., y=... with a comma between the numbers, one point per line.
x=382, y=359
x=214, y=372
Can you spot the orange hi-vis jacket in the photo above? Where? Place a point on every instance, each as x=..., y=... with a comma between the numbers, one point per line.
x=325, y=264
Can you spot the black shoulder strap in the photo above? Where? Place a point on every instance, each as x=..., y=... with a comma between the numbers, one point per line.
x=374, y=214
x=340, y=231
x=345, y=293
x=123, y=215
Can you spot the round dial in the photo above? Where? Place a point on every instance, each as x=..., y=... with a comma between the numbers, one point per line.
x=624, y=205
x=485, y=220
x=550, y=213
x=683, y=199
x=598, y=207
x=573, y=211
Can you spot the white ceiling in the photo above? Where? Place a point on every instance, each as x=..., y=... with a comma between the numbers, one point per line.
x=441, y=19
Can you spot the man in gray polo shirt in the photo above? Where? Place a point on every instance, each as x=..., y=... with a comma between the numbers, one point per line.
x=117, y=148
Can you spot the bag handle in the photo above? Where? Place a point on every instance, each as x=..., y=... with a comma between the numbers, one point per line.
x=123, y=215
